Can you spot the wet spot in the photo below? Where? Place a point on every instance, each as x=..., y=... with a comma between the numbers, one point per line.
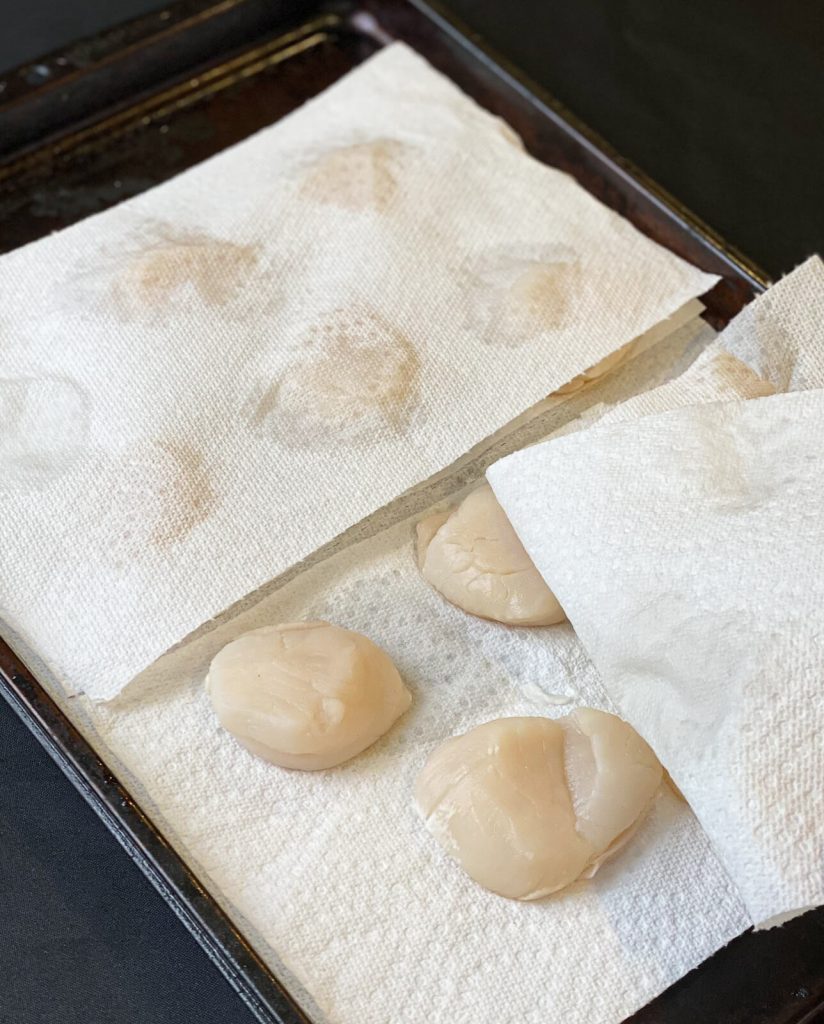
x=44, y=424
x=540, y=294
x=359, y=177
x=357, y=381
x=264, y=406
x=736, y=378
x=726, y=480
x=211, y=270
x=150, y=497
x=516, y=295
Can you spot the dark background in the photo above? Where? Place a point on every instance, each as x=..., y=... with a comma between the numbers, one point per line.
x=719, y=101
x=723, y=104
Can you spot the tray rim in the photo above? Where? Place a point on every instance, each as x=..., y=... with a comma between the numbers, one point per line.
x=331, y=15
x=265, y=995
x=167, y=100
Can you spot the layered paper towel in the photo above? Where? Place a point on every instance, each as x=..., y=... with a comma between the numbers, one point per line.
x=206, y=383
x=333, y=876
x=780, y=336
x=688, y=551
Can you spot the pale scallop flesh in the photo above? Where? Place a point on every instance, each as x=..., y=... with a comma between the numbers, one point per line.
x=305, y=695
x=473, y=557
x=529, y=805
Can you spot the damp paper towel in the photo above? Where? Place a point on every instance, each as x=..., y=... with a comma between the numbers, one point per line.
x=688, y=551
x=206, y=383
x=333, y=876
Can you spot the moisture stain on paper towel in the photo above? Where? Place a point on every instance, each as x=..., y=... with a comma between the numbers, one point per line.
x=515, y=294
x=357, y=381
x=212, y=269
x=735, y=377
x=44, y=424
x=363, y=176
x=151, y=497
x=727, y=481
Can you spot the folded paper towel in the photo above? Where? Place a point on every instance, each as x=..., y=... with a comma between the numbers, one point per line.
x=333, y=877
x=688, y=551
x=780, y=336
x=206, y=383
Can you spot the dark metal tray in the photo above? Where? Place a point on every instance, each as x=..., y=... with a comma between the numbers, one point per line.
x=114, y=115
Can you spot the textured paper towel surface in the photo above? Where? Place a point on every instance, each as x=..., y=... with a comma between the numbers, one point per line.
x=204, y=384
x=715, y=374
x=687, y=549
x=335, y=877
x=780, y=336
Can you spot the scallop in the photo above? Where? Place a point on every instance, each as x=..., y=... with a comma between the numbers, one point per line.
x=527, y=806
x=307, y=695
x=473, y=557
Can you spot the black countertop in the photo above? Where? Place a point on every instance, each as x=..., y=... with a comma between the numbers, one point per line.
x=723, y=104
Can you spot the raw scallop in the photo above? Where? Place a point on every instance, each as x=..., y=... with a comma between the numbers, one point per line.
x=305, y=695
x=473, y=557
x=528, y=805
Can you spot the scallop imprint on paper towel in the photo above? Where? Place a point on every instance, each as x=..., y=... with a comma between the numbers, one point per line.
x=736, y=377
x=171, y=269
x=516, y=293
x=356, y=380
x=44, y=423
x=150, y=497
x=363, y=176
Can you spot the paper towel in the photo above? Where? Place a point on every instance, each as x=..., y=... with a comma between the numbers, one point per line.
x=688, y=551
x=206, y=383
x=780, y=336
x=333, y=876
x=715, y=374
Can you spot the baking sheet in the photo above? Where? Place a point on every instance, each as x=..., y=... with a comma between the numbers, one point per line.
x=129, y=150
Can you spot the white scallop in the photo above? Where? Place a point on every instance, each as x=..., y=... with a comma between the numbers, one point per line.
x=306, y=695
x=473, y=557
x=529, y=805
